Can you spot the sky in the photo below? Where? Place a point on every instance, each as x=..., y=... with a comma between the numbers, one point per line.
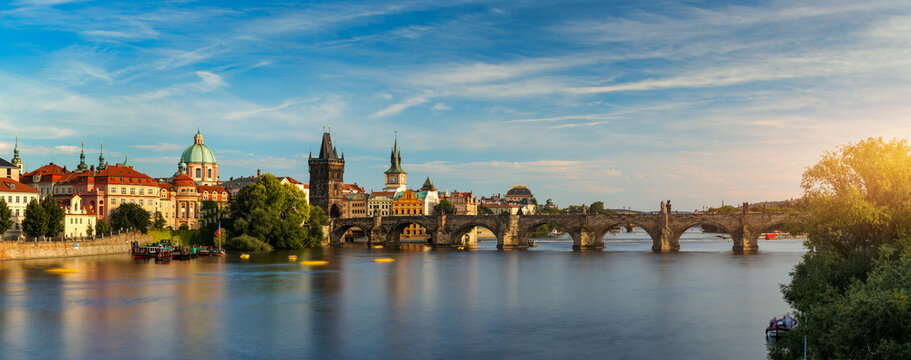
x=629, y=103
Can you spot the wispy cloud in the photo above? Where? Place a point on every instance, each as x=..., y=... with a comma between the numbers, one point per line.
x=397, y=108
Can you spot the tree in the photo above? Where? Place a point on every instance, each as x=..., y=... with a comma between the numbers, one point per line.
x=131, y=216
x=54, y=216
x=483, y=210
x=318, y=219
x=101, y=227
x=6, y=217
x=851, y=293
x=444, y=207
x=160, y=222
x=88, y=230
x=272, y=212
x=34, y=223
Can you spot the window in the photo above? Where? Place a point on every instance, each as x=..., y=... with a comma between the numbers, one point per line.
x=113, y=190
x=141, y=202
x=210, y=173
x=198, y=175
x=123, y=190
x=132, y=191
x=142, y=191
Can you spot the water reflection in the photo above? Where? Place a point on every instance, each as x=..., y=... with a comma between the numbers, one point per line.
x=547, y=302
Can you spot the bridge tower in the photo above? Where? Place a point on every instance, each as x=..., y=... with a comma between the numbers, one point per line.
x=327, y=178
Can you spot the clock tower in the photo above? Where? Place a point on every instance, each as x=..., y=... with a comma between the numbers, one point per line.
x=396, y=178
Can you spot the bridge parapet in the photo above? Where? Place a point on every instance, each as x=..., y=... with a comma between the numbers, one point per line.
x=587, y=231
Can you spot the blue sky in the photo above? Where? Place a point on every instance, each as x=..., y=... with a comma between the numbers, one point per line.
x=630, y=103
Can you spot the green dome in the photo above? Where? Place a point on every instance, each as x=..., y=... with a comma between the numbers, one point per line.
x=196, y=154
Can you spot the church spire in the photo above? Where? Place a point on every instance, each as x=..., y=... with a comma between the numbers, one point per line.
x=16, y=160
x=395, y=158
x=82, y=165
x=101, y=157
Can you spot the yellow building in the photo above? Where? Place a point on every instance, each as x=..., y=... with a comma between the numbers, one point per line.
x=409, y=203
x=78, y=221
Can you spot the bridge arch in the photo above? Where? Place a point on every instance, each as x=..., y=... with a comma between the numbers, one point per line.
x=457, y=236
x=341, y=233
x=394, y=231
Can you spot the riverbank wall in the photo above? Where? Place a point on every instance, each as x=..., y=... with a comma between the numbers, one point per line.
x=115, y=244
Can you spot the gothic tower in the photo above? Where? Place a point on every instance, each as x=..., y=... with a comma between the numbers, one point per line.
x=327, y=179
x=396, y=178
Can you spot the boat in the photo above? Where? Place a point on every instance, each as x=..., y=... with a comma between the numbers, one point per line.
x=779, y=327
x=163, y=256
x=218, y=252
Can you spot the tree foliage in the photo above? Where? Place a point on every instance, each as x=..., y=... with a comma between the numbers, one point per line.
x=483, y=210
x=444, y=207
x=6, y=217
x=54, y=216
x=274, y=213
x=160, y=222
x=131, y=216
x=34, y=223
x=101, y=227
x=852, y=293
x=246, y=243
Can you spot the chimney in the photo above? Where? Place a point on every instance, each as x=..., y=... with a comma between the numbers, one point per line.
x=258, y=173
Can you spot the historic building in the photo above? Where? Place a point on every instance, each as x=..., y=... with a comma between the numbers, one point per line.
x=410, y=203
x=17, y=195
x=380, y=203
x=327, y=179
x=396, y=178
x=464, y=202
x=520, y=194
x=200, y=162
x=9, y=170
x=78, y=221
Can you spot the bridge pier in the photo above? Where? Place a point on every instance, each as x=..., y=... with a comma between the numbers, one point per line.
x=509, y=237
x=666, y=241
x=746, y=241
x=587, y=240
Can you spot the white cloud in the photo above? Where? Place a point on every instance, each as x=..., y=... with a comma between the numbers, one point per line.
x=397, y=108
x=159, y=147
x=441, y=107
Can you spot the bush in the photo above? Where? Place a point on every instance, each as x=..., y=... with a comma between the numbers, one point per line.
x=247, y=243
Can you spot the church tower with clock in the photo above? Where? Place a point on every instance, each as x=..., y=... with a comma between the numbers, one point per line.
x=396, y=178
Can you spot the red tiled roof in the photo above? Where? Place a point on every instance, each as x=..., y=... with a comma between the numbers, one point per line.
x=290, y=180
x=10, y=185
x=210, y=188
x=111, y=174
x=53, y=171
x=352, y=187
x=382, y=193
x=183, y=180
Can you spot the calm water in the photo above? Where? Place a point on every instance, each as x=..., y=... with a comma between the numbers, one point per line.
x=548, y=302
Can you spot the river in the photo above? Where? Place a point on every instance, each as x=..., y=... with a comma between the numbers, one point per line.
x=624, y=302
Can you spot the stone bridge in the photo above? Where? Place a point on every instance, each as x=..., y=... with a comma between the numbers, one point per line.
x=587, y=231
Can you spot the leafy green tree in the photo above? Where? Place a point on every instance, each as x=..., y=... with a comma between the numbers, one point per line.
x=483, y=210
x=54, y=216
x=852, y=293
x=273, y=212
x=34, y=223
x=444, y=207
x=318, y=219
x=246, y=243
x=101, y=227
x=6, y=217
x=131, y=216
x=89, y=230
x=160, y=222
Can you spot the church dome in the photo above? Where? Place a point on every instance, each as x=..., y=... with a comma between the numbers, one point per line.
x=198, y=153
x=519, y=190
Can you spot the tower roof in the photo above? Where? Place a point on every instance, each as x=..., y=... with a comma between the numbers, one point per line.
x=326, y=150
x=395, y=159
x=428, y=185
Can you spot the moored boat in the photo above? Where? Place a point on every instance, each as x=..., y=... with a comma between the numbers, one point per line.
x=779, y=327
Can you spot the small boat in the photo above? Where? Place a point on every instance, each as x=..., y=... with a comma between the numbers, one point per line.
x=245, y=256
x=292, y=258
x=163, y=256
x=779, y=327
x=217, y=252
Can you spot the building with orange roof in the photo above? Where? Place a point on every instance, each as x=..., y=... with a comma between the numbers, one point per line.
x=17, y=196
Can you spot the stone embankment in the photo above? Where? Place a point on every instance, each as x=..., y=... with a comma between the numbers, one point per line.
x=115, y=244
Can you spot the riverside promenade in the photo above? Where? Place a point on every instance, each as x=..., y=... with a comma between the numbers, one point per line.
x=114, y=244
